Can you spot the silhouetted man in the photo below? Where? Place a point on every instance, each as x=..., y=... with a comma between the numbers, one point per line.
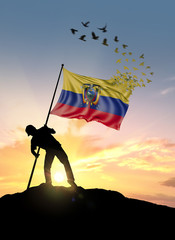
x=43, y=138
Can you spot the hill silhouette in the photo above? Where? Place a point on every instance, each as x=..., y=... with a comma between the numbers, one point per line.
x=92, y=210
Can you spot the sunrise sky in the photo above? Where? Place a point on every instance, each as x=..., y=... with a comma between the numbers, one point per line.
x=35, y=39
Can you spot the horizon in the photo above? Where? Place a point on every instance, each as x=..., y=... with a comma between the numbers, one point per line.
x=138, y=160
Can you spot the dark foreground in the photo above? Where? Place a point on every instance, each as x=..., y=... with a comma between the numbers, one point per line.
x=47, y=209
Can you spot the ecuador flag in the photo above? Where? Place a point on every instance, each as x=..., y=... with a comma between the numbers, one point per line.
x=92, y=99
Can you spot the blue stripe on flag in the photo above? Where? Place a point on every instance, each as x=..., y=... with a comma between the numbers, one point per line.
x=105, y=104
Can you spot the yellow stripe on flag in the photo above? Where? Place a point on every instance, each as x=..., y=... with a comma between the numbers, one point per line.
x=74, y=83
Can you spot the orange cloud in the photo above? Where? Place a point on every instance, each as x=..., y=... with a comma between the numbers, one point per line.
x=151, y=155
x=170, y=182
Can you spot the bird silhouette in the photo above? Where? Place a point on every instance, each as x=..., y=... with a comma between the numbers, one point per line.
x=125, y=68
x=119, y=60
x=85, y=24
x=148, y=80
x=142, y=56
x=134, y=68
x=73, y=30
x=125, y=46
x=116, y=39
x=94, y=36
x=141, y=64
x=82, y=38
x=103, y=29
x=116, y=50
x=105, y=42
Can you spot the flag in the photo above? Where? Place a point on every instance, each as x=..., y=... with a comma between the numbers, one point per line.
x=92, y=99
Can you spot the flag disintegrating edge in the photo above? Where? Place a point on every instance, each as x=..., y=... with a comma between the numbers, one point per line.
x=92, y=99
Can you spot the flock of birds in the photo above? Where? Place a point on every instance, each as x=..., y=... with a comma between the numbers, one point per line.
x=128, y=79
x=93, y=34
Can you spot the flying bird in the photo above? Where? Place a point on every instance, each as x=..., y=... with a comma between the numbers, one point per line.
x=116, y=50
x=119, y=60
x=134, y=68
x=82, y=38
x=94, y=36
x=73, y=30
x=125, y=46
x=116, y=39
x=105, y=42
x=85, y=24
x=141, y=64
x=103, y=29
x=125, y=68
x=148, y=80
x=142, y=56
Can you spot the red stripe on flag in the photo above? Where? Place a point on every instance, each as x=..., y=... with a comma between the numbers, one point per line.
x=89, y=114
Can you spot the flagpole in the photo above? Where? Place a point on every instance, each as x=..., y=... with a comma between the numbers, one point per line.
x=31, y=175
x=54, y=95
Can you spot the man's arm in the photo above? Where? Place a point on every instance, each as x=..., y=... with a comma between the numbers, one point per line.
x=33, y=148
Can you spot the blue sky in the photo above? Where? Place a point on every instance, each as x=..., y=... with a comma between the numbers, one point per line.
x=36, y=40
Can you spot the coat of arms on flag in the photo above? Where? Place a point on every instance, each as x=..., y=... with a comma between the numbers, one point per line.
x=91, y=93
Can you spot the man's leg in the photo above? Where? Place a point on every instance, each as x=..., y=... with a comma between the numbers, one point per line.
x=62, y=156
x=47, y=165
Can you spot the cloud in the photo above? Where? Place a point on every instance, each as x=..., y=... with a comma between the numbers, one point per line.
x=11, y=136
x=159, y=198
x=170, y=182
x=167, y=90
x=153, y=154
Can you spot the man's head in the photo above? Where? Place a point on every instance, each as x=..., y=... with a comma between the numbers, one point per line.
x=30, y=130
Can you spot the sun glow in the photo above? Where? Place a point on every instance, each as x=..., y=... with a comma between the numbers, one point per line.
x=59, y=177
